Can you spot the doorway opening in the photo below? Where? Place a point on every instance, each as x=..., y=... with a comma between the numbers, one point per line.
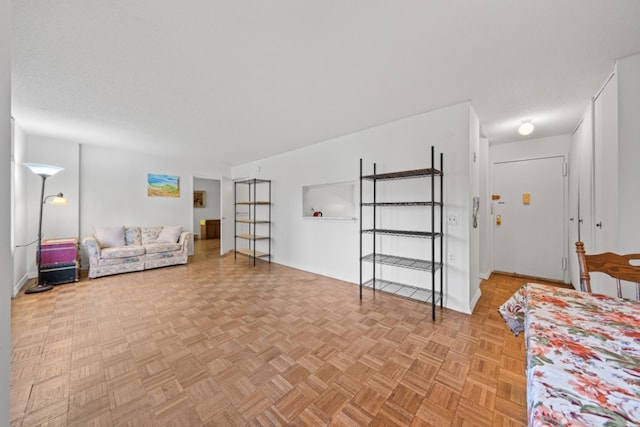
x=207, y=231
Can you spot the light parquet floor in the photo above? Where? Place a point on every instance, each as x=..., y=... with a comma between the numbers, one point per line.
x=218, y=342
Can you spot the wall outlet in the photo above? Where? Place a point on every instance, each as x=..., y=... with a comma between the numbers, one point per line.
x=452, y=219
x=452, y=258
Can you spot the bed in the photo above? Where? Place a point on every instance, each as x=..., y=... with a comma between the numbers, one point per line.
x=583, y=356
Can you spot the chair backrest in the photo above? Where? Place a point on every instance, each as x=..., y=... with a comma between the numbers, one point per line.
x=617, y=266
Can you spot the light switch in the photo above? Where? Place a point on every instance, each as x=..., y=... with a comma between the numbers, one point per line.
x=526, y=198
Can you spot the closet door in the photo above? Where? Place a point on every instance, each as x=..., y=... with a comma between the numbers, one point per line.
x=605, y=162
x=580, y=192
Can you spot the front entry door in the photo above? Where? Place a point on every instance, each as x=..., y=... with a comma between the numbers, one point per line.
x=529, y=231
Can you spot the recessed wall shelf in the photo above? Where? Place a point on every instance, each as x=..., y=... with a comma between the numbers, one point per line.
x=329, y=201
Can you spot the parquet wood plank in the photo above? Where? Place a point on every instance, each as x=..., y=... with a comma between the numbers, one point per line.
x=220, y=342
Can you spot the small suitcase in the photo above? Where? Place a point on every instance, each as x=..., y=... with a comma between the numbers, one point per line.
x=62, y=273
x=55, y=252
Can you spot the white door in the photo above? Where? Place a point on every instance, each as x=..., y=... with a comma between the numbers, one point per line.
x=530, y=238
x=227, y=208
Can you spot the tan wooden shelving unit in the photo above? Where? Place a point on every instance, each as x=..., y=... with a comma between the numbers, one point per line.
x=252, y=225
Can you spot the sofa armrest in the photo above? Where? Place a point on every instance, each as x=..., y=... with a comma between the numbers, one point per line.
x=184, y=240
x=91, y=245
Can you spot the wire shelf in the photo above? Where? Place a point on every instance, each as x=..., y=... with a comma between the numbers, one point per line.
x=397, y=261
x=403, y=290
x=414, y=173
x=404, y=233
x=382, y=204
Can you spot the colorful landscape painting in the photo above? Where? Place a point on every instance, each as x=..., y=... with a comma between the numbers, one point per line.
x=163, y=185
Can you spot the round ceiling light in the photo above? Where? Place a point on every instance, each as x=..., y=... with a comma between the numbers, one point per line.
x=525, y=128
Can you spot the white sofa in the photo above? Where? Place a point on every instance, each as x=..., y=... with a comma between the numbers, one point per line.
x=114, y=250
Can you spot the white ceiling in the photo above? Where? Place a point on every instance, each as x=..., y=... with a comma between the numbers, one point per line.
x=240, y=80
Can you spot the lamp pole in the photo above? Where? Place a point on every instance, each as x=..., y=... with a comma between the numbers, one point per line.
x=39, y=287
x=44, y=172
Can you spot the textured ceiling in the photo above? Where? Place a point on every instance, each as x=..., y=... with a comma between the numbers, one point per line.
x=246, y=79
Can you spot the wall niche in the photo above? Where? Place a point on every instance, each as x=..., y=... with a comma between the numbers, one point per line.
x=329, y=201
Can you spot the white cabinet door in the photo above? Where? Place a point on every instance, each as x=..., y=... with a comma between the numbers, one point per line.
x=530, y=239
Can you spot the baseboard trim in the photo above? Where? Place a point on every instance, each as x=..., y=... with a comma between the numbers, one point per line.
x=475, y=300
x=18, y=286
x=524, y=276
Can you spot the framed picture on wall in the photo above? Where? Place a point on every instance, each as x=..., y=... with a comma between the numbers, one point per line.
x=159, y=185
x=199, y=200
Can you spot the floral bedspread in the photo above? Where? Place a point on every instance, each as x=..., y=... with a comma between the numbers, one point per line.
x=583, y=357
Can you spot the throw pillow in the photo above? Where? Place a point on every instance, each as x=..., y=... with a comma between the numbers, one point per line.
x=149, y=234
x=132, y=236
x=169, y=234
x=109, y=237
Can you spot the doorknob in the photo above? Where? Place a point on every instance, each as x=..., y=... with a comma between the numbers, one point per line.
x=599, y=224
x=581, y=220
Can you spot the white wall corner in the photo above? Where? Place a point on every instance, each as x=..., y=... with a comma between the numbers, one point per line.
x=18, y=286
x=6, y=232
x=475, y=300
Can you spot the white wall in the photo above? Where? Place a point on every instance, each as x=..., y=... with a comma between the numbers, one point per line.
x=330, y=247
x=6, y=263
x=485, y=260
x=212, y=201
x=531, y=149
x=21, y=237
x=629, y=154
x=474, y=191
x=113, y=188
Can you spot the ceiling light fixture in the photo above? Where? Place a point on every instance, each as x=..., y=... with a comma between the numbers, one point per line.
x=525, y=128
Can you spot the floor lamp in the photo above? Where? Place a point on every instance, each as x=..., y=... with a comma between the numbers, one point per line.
x=43, y=171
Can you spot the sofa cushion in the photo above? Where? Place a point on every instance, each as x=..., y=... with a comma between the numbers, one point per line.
x=162, y=255
x=122, y=252
x=149, y=234
x=132, y=236
x=109, y=237
x=169, y=234
x=102, y=262
x=154, y=248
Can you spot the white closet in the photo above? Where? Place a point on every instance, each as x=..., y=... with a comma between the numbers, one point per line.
x=605, y=154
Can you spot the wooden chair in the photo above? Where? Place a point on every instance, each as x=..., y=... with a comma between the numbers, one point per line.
x=617, y=266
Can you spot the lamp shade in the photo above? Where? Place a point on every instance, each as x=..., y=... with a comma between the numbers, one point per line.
x=44, y=171
x=58, y=199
